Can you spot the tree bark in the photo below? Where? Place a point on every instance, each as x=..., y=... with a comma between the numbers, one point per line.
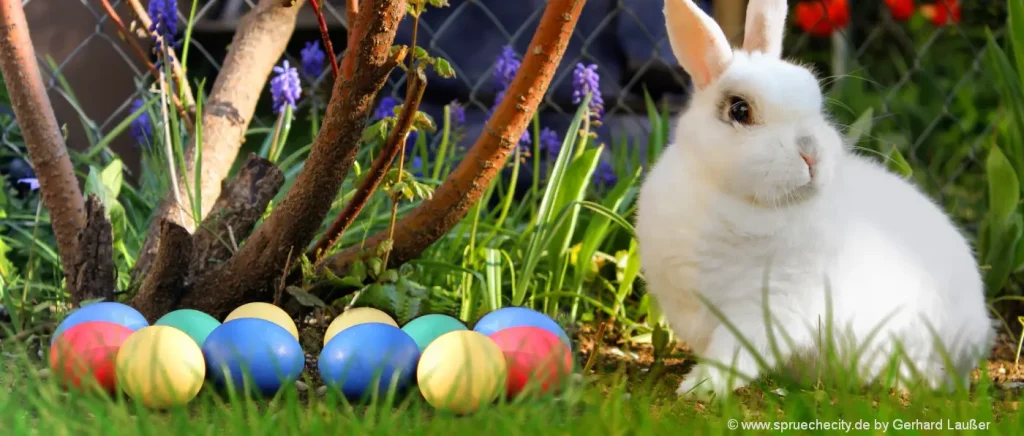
x=433, y=218
x=167, y=281
x=46, y=148
x=241, y=204
x=262, y=36
x=95, y=274
x=250, y=274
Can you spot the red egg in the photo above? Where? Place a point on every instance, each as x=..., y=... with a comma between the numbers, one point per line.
x=536, y=358
x=86, y=353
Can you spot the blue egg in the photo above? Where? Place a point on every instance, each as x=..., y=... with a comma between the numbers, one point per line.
x=508, y=317
x=108, y=311
x=369, y=356
x=254, y=355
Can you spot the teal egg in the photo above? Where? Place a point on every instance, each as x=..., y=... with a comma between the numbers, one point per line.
x=197, y=325
x=426, y=328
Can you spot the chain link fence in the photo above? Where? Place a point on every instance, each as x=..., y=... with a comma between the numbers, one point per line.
x=924, y=78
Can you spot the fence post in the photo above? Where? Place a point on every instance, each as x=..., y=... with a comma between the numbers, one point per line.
x=730, y=17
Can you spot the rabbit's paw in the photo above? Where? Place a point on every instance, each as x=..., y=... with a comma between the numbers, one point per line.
x=704, y=383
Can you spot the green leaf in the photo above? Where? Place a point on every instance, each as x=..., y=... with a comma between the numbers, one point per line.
x=1003, y=189
x=420, y=53
x=305, y=298
x=597, y=229
x=861, y=127
x=896, y=163
x=1016, y=34
x=574, y=188
x=444, y=68
x=1001, y=255
x=113, y=177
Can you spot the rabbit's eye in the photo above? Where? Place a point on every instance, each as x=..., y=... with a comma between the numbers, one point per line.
x=739, y=110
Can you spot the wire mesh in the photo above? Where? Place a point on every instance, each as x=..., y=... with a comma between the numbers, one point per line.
x=925, y=79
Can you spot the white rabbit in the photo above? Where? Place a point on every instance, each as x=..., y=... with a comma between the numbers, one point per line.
x=759, y=191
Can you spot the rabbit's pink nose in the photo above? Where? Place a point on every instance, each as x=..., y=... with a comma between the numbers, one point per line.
x=809, y=160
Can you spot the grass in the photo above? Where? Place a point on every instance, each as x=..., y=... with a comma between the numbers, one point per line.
x=617, y=399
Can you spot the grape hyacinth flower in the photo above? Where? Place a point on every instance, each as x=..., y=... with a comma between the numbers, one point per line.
x=385, y=109
x=549, y=142
x=604, y=174
x=458, y=113
x=313, y=59
x=284, y=87
x=164, y=14
x=142, y=128
x=505, y=68
x=586, y=80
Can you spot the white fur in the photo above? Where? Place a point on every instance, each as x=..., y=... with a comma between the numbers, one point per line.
x=727, y=207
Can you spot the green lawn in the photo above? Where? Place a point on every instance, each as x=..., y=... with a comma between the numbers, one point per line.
x=617, y=397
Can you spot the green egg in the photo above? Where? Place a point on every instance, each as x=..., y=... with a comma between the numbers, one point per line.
x=197, y=325
x=426, y=328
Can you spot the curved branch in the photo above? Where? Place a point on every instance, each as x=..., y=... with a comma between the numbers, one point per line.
x=378, y=169
x=250, y=273
x=46, y=148
x=258, y=44
x=432, y=218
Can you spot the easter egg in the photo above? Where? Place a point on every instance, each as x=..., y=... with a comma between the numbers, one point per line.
x=537, y=359
x=109, y=311
x=354, y=316
x=161, y=367
x=426, y=328
x=197, y=325
x=253, y=355
x=86, y=354
x=369, y=357
x=461, y=371
x=267, y=312
x=507, y=317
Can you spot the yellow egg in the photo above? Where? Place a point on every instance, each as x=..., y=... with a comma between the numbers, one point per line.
x=461, y=371
x=161, y=367
x=265, y=311
x=358, y=315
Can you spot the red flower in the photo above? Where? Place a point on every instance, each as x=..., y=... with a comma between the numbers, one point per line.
x=901, y=10
x=942, y=11
x=822, y=17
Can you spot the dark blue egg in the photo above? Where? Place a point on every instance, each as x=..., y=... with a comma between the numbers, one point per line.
x=108, y=311
x=252, y=355
x=368, y=357
x=507, y=317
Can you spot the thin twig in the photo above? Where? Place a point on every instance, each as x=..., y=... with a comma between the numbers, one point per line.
x=326, y=36
x=141, y=54
x=176, y=70
x=351, y=9
x=378, y=169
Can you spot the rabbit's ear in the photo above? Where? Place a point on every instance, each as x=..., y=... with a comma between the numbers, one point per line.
x=765, y=26
x=698, y=43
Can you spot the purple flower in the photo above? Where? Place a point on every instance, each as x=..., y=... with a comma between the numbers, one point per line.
x=164, y=14
x=604, y=175
x=549, y=142
x=313, y=59
x=284, y=87
x=142, y=129
x=505, y=68
x=385, y=109
x=410, y=140
x=32, y=183
x=586, y=80
x=416, y=166
x=458, y=113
